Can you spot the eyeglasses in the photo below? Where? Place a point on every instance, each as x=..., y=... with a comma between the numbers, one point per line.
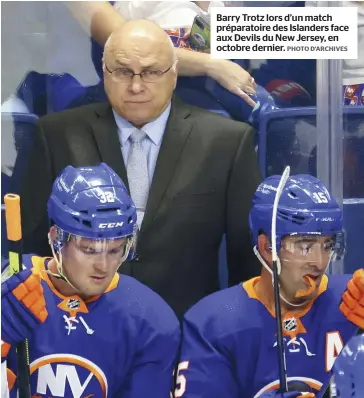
x=122, y=75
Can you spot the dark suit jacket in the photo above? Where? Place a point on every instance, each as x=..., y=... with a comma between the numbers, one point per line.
x=205, y=177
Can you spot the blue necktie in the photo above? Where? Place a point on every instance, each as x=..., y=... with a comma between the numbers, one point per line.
x=137, y=170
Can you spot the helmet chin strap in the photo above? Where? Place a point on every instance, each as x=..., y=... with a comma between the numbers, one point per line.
x=60, y=274
x=279, y=266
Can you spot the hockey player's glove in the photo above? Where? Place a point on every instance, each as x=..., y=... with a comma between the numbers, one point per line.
x=289, y=394
x=352, y=305
x=23, y=308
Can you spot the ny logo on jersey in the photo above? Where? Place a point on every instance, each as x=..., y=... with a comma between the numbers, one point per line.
x=66, y=375
x=71, y=324
x=350, y=90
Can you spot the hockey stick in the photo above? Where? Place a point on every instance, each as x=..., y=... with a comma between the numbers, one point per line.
x=13, y=230
x=283, y=387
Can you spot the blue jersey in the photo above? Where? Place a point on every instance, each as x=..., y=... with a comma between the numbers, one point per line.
x=123, y=343
x=229, y=344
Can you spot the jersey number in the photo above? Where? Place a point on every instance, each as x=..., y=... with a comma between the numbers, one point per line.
x=181, y=379
x=320, y=197
x=106, y=197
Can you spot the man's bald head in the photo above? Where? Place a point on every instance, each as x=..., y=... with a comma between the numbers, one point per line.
x=144, y=33
x=140, y=71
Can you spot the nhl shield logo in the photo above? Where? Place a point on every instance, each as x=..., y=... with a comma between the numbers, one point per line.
x=73, y=304
x=290, y=324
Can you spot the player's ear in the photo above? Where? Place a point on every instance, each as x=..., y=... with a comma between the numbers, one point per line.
x=264, y=248
x=52, y=233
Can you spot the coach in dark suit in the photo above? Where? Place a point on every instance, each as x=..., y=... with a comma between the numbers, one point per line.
x=191, y=173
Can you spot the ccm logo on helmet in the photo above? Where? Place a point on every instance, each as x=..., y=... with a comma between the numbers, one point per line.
x=111, y=224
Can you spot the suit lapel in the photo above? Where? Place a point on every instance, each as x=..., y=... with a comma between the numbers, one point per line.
x=177, y=131
x=107, y=139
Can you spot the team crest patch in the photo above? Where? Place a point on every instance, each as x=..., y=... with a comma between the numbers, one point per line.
x=177, y=35
x=73, y=304
x=290, y=324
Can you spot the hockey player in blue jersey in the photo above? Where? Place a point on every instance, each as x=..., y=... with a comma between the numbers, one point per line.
x=91, y=331
x=229, y=339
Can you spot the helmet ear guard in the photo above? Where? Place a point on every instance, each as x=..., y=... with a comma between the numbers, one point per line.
x=59, y=238
x=339, y=246
x=133, y=244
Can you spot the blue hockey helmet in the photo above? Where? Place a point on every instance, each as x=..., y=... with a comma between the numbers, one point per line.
x=305, y=207
x=92, y=202
x=348, y=369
